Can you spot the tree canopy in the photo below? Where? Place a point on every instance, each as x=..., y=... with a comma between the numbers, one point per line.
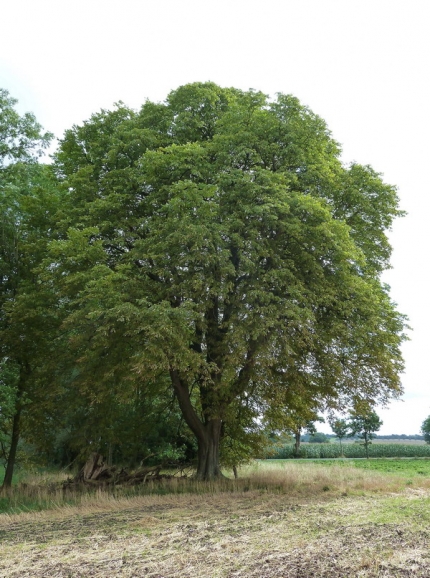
x=216, y=240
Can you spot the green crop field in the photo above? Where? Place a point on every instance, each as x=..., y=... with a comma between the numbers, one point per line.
x=350, y=450
x=408, y=468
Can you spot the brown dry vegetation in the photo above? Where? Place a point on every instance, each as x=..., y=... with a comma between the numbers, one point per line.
x=300, y=521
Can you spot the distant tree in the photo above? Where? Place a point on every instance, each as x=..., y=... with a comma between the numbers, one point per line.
x=340, y=428
x=298, y=419
x=319, y=438
x=364, y=425
x=425, y=429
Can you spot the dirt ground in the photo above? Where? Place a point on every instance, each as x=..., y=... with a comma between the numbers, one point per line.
x=225, y=535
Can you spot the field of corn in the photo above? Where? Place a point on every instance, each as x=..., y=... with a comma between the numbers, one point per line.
x=350, y=450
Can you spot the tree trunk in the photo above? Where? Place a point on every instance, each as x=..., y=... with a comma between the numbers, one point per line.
x=297, y=436
x=208, y=434
x=7, y=482
x=208, y=467
x=16, y=426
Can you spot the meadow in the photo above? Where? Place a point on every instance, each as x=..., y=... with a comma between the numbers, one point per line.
x=301, y=519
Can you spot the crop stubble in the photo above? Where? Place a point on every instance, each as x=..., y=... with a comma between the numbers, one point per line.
x=251, y=534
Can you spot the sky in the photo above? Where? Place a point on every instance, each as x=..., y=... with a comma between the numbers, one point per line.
x=362, y=65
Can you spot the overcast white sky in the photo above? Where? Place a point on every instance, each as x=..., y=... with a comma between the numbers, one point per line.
x=363, y=65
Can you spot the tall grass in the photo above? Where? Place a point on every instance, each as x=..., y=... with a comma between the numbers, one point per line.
x=295, y=479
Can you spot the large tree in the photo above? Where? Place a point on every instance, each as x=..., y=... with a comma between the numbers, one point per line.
x=218, y=239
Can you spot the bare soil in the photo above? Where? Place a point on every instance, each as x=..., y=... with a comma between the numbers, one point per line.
x=248, y=534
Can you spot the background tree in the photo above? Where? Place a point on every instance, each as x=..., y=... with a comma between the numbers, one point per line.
x=27, y=202
x=125, y=429
x=341, y=430
x=217, y=239
x=319, y=438
x=364, y=425
x=296, y=421
x=425, y=429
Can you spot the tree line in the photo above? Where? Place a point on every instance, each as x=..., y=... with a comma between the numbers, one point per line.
x=184, y=278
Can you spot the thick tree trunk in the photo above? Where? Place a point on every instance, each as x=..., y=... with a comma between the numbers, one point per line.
x=208, y=434
x=208, y=467
x=7, y=482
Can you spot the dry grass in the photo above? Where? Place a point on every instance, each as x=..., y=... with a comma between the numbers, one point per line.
x=306, y=479
x=285, y=477
x=295, y=520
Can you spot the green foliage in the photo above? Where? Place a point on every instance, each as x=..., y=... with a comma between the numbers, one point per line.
x=425, y=429
x=340, y=428
x=243, y=438
x=20, y=136
x=127, y=431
